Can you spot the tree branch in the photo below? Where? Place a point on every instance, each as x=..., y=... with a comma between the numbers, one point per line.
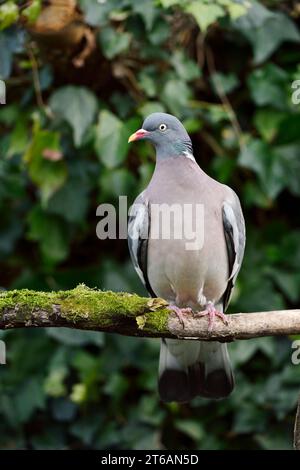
x=129, y=314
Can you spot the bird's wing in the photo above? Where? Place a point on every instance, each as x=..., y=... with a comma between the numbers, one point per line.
x=138, y=234
x=235, y=236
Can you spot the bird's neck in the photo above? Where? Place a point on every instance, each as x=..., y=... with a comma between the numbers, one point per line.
x=175, y=149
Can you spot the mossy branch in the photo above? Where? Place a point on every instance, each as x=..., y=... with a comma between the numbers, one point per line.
x=129, y=314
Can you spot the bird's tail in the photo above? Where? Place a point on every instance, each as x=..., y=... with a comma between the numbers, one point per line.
x=188, y=368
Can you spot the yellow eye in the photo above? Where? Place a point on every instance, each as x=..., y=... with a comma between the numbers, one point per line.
x=162, y=127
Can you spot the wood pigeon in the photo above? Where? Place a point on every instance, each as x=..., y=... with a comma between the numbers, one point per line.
x=191, y=280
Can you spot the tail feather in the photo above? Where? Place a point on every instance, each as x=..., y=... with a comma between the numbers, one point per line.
x=190, y=368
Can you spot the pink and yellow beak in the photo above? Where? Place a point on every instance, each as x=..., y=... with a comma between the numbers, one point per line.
x=138, y=135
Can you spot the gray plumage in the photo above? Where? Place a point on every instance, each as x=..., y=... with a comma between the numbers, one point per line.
x=187, y=278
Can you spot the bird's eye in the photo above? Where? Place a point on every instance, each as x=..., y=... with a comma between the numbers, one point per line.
x=162, y=127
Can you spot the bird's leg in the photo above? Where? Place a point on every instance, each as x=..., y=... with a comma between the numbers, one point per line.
x=180, y=312
x=212, y=313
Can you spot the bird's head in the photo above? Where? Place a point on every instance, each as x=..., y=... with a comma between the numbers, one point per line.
x=166, y=133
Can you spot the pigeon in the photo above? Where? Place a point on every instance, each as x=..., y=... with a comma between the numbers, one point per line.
x=194, y=278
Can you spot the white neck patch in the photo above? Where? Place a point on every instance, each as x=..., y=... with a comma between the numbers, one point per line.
x=189, y=155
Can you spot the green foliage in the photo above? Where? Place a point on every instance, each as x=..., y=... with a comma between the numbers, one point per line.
x=9, y=13
x=77, y=106
x=58, y=162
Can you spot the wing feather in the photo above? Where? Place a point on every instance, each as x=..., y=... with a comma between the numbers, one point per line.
x=138, y=235
x=235, y=236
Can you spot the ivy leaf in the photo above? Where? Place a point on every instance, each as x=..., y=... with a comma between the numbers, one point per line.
x=289, y=156
x=258, y=156
x=113, y=42
x=32, y=11
x=227, y=82
x=10, y=42
x=268, y=86
x=147, y=10
x=151, y=107
x=267, y=122
x=205, y=14
x=191, y=428
x=170, y=3
x=9, y=14
x=266, y=30
x=235, y=10
x=51, y=234
x=62, y=202
x=111, y=138
x=48, y=175
x=77, y=106
x=175, y=95
x=186, y=69
x=117, y=181
x=96, y=13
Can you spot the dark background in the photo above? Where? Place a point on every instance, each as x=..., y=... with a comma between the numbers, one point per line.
x=79, y=82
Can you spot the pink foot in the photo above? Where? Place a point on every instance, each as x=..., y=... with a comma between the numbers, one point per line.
x=180, y=312
x=212, y=313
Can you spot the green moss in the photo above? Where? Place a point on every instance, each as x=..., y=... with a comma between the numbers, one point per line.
x=27, y=301
x=157, y=321
x=99, y=306
x=91, y=307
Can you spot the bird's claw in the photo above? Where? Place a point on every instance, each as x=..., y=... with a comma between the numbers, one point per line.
x=212, y=313
x=180, y=312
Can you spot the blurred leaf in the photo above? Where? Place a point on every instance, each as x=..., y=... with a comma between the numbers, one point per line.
x=151, y=107
x=63, y=410
x=289, y=158
x=97, y=13
x=147, y=10
x=48, y=175
x=9, y=13
x=288, y=129
x=117, y=182
x=32, y=11
x=77, y=106
x=267, y=122
x=147, y=81
x=288, y=282
x=191, y=428
x=266, y=30
x=10, y=42
x=159, y=32
x=85, y=428
x=249, y=419
x=10, y=232
x=226, y=83
x=29, y=398
x=79, y=393
x=175, y=95
x=70, y=202
x=204, y=13
x=113, y=42
x=54, y=385
x=268, y=86
x=74, y=337
x=50, y=233
x=278, y=440
x=18, y=138
x=51, y=438
x=185, y=68
x=259, y=157
x=111, y=138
